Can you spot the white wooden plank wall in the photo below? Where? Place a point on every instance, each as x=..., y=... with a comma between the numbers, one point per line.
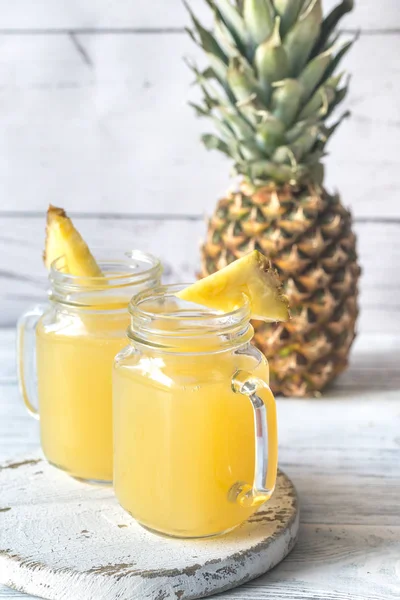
x=23, y=279
x=141, y=14
x=101, y=120
x=93, y=116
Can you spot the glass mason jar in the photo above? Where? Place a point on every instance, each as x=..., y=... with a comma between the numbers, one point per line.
x=195, y=434
x=73, y=341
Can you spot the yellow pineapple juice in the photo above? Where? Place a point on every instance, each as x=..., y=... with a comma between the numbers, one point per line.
x=74, y=364
x=76, y=340
x=184, y=439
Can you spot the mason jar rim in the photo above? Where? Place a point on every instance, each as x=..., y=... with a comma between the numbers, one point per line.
x=121, y=277
x=111, y=291
x=169, y=290
x=224, y=330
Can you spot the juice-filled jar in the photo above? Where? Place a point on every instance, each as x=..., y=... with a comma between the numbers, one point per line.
x=66, y=353
x=195, y=434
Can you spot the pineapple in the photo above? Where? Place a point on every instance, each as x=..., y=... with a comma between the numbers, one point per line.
x=250, y=275
x=270, y=89
x=63, y=240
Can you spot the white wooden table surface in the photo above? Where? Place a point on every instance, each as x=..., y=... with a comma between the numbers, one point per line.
x=342, y=452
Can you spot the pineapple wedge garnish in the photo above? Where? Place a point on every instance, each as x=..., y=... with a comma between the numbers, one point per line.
x=251, y=275
x=63, y=240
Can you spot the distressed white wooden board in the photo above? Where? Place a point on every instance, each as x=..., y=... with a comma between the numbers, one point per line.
x=343, y=453
x=82, y=544
x=23, y=280
x=108, y=126
x=329, y=563
x=94, y=14
x=333, y=563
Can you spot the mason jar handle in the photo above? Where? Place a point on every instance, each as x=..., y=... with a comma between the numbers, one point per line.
x=266, y=440
x=26, y=344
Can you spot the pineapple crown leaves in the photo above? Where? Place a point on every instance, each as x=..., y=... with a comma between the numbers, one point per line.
x=270, y=86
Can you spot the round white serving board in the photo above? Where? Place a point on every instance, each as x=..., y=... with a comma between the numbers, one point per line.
x=64, y=540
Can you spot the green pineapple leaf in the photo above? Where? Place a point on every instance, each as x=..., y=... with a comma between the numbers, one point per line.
x=200, y=111
x=288, y=10
x=258, y=18
x=316, y=172
x=229, y=148
x=330, y=23
x=262, y=171
x=286, y=99
x=319, y=103
x=191, y=35
x=242, y=81
x=301, y=38
x=313, y=73
x=217, y=68
x=251, y=151
x=238, y=122
x=230, y=16
x=339, y=97
x=210, y=91
x=284, y=155
x=329, y=131
x=270, y=134
x=212, y=142
x=207, y=40
x=271, y=60
x=304, y=143
x=342, y=52
x=299, y=129
x=270, y=85
x=225, y=39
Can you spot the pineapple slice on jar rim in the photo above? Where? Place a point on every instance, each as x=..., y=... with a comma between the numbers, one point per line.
x=63, y=239
x=251, y=275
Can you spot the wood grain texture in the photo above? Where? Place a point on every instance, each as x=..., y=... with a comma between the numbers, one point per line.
x=176, y=242
x=102, y=14
x=100, y=123
x=343, y=454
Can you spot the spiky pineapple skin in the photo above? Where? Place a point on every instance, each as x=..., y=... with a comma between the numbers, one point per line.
x=307, y=234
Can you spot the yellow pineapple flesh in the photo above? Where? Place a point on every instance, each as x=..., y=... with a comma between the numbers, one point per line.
x=63, y=240
x=250, y=275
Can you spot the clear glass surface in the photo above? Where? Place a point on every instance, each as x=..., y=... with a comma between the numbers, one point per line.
x=184, y=432
x=76, y=340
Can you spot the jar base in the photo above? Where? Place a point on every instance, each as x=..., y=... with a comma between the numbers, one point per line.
x=183, y=536
x=88, y=480
x=99, y=482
